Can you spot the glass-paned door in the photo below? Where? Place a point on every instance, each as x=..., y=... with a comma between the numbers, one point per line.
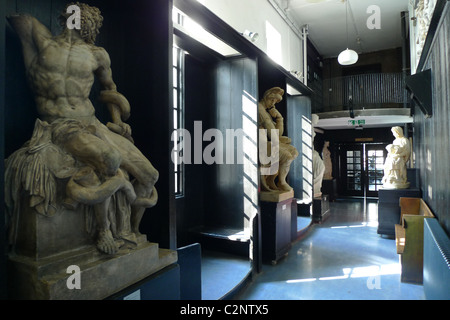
x=362, y=171
x=375, y=157
x=352, y=161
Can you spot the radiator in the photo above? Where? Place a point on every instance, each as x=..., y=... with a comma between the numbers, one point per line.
x=436, y=261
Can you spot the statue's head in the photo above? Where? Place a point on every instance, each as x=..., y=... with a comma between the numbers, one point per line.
x=275, y=94
x=397, y=131
x=90, y=24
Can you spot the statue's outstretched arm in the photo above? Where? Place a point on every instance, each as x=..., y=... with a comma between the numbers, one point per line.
x=33, y=35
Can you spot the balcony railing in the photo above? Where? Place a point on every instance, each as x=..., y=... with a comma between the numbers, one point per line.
x=366, y=91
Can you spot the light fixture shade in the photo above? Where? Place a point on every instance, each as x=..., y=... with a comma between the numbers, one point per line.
x=348, y=57
x=253, y=36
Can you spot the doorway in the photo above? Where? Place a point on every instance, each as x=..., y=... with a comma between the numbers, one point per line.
x=361, y=169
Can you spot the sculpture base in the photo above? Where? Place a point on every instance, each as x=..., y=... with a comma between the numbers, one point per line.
x=276, y=196
x=321, y=209
x=395, y=186
x=276, y=236
x=329, y=187
x=99, y=277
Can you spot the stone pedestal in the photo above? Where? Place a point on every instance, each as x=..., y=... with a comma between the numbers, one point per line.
x=49, y=252
x=389, y=208
x=277, y=196
x=276, y=232
x=99, y=277
x=329, y=187
x=321, y=208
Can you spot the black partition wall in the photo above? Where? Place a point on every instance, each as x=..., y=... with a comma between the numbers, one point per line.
x=3, y=292
x=299, y=130
x=219, y=96
x=236, y=93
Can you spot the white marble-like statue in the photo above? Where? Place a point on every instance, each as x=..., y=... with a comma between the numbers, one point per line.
x=326, y=156
x=318, y=165
x=424, y=14
x=399, y=152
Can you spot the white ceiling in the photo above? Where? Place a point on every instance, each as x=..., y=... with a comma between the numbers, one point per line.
x=326, y=20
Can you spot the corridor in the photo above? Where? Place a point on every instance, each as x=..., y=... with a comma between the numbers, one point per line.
x=341, y=259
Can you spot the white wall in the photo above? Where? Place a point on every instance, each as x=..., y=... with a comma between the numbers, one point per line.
x=253, y=15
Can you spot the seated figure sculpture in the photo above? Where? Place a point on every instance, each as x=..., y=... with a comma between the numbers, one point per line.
x=399, y=152
x=271, y=119
x=70, y=144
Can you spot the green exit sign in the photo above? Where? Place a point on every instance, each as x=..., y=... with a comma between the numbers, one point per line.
x=356, y=122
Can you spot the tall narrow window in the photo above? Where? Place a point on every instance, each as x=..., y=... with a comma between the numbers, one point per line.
x=178, y=115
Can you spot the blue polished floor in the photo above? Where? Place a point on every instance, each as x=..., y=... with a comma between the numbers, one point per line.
x=221, y=273
x=341, y=259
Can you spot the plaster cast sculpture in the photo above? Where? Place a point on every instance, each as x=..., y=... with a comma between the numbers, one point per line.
x=270, y=118
x=326, y=157
x=73, y=160
x=423, y=14
x=318, y=165
x=399, y=152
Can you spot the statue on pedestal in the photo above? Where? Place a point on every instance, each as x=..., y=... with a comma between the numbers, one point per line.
x=326, y=157
x=399, y=152
x=72, y=154
x=271, y=119
x=76, y=192
x=318, y=165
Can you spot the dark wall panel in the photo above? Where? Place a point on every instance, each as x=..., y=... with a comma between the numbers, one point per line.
x=141, y=40
x=199, y=102
x=299, y=128
x=235, y=79
x=432, y=135
x=2, y=155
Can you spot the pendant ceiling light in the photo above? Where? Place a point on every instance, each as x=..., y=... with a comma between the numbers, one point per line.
x=348, y=56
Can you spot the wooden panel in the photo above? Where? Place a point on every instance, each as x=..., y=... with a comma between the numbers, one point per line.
x=399, y=238
x=409, y=237
x=410, y=205
x=412, y=256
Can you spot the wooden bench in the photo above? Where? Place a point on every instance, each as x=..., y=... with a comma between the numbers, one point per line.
x=409, y=238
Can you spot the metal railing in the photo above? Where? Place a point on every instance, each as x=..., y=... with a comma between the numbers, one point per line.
x=367, y=91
